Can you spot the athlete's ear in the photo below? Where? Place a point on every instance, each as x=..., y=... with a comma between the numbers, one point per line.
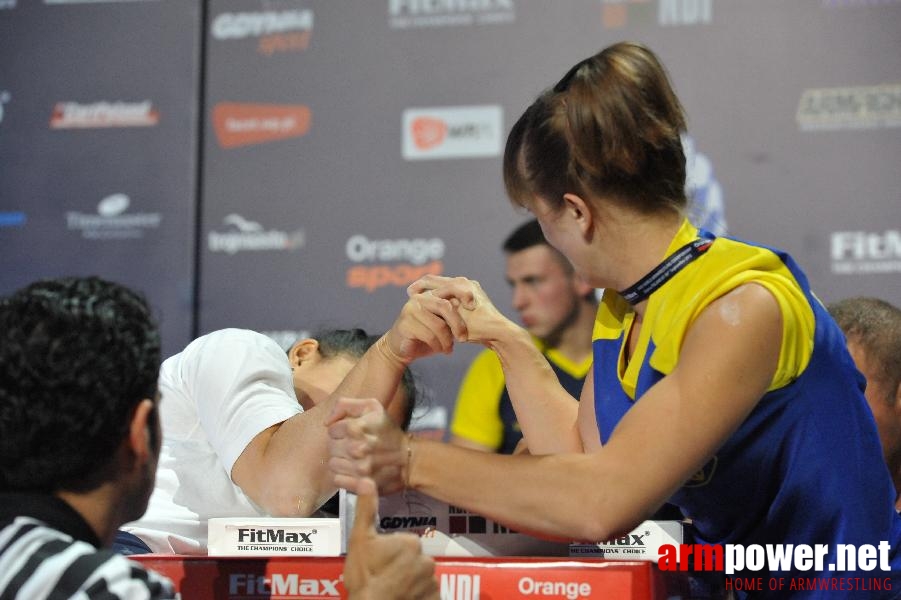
x=141, y=440
x=576, y=208
x=303, y=350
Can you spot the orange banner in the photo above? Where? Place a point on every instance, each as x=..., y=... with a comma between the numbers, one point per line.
x=245, y=124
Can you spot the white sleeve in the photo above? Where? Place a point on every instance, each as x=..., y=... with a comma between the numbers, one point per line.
x=241, y=384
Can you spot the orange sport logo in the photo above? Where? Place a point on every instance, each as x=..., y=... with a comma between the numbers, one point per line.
x=246, y=124
x=392, y=262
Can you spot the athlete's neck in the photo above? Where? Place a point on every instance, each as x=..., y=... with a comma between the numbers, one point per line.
x=574, y=340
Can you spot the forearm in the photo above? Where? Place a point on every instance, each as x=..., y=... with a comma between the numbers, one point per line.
x=290, y=476
x=569, y=495
x=546, y=412
x=377, y=375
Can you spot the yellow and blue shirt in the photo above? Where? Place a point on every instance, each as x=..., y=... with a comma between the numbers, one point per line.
x=806, y=465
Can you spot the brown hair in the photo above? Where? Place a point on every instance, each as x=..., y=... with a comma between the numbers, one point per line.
x=610, y=128
x=876, y=326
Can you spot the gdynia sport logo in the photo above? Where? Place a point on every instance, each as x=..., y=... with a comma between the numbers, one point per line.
x=804, y=566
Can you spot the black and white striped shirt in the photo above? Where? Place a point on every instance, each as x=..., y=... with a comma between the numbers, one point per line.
x=47, y=551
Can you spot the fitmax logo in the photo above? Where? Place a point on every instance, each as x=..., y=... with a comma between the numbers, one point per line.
x=273, y=536
x=631, y=540
x=866, y=252
x=281, y=585
x=860, y=245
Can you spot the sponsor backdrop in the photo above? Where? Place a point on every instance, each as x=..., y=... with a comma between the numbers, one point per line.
x=98, y=135
x=333, y=152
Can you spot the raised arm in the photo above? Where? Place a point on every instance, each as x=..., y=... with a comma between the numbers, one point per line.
x=681, y=421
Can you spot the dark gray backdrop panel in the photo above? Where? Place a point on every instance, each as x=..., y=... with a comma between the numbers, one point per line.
x=132, y=52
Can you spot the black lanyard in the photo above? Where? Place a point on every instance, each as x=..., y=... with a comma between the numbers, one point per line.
x=663, y=272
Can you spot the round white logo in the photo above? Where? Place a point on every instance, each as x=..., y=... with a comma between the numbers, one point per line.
x=113, y=205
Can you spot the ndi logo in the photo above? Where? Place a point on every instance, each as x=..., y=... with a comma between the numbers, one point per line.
x=460, y=587
x=855, y=252
x=685, y=12
x=621, y=13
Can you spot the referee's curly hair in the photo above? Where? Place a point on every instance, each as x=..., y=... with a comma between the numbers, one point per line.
x=77, y=355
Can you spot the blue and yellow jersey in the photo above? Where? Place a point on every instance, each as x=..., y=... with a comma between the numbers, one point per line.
x=806, y=465
x=484, y=413
x=671, y=311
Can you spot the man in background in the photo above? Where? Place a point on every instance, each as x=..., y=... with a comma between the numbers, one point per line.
x=873, y=331
x=558, y=309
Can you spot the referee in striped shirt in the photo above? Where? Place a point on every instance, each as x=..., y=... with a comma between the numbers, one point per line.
x=79, y=439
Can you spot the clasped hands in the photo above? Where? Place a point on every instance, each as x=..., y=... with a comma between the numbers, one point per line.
x=368, y=451
x=371, y=454
x=440, y=311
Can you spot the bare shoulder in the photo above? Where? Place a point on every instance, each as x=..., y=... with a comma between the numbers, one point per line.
x=748, y=306
x=737, y=338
